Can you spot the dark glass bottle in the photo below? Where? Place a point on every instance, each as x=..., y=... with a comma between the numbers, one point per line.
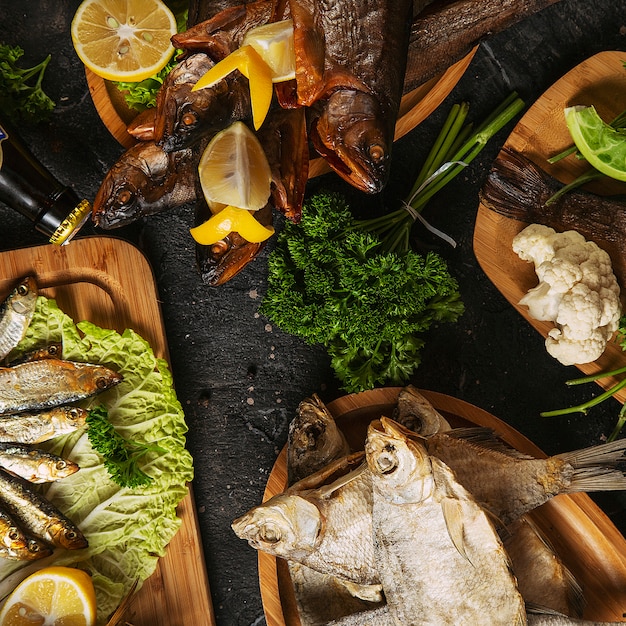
x=28, y=187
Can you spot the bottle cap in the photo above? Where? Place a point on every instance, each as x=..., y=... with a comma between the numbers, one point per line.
x=64, y=217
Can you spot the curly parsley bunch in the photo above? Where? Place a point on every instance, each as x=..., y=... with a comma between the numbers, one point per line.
x=331, y=283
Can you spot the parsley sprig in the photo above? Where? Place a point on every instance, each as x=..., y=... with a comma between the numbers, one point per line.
x=22, y=97
x=121, y=456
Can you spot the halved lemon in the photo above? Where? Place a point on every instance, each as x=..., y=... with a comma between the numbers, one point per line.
x=255, y=69
x=603, y=146
x=53, y=596
x=274, y=43
x=228, y=220
x=234, y=170
x=123, y=40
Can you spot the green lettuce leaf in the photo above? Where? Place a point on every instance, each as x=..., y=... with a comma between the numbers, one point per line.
x=127, y=529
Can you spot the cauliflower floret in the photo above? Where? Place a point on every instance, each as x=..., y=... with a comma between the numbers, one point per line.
x=577, y=291
x=570, y=351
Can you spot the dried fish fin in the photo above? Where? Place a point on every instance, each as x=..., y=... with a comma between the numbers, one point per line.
x=486, y=438
x=453, y=515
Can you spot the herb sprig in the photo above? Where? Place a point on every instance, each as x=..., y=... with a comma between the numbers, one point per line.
x=121, y=456
x=22, y=97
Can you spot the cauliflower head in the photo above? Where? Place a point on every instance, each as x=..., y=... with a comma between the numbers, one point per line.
x=577, y=291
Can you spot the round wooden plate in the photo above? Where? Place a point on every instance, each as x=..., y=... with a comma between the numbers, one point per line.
x=540, y=134
x=415, y=107
x=580, y=532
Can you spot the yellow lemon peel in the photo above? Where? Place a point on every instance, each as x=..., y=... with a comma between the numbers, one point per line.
x=228, y=220
x=248, y=61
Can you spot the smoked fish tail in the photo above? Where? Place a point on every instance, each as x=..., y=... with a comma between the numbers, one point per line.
x=518, y=188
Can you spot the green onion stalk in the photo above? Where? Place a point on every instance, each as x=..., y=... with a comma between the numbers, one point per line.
x=456, y=146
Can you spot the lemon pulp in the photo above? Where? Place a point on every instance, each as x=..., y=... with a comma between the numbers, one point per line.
x=60, y=596
x=123, y=40
x=234, y=170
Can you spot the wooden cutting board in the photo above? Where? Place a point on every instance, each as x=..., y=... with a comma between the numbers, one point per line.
x=109, y=282
x=581, y=534
x=540, y=134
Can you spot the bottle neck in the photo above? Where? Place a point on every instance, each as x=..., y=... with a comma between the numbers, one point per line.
x=29, y=188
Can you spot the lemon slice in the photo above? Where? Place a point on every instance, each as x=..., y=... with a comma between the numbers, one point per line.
x=123, y=40
x=228, y=220
x=54, y=596
x=234, y=170
x=255, y=69
x=603, y=146
x=274, y=44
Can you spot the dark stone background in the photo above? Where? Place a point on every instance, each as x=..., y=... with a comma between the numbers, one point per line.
x=240, y=381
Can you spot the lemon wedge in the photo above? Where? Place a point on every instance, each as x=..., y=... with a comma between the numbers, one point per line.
x=123, y=40
x=603, y=146
x=234, y=170
x=228, y=220
x=247, y=60
x=274, y=44
x=55, y=596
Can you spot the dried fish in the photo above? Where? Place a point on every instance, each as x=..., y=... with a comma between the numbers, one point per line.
x=416, y=413
x=51, y=382
x=33, y=464
x=38, y=516
x=523, y=483
x=295, y=525
x=16, y=545
x=314, y=439
x=184, y=117
x=16, y=312
x=440, y=558
x=145, y=180
x=38, y=426
x=350, y=66
x=542, y=577
x=52, y=350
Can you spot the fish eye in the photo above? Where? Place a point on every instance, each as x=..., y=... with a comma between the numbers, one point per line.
x=70, y=534
x=386, y=461
x=270, y=533
x=124, y=197
x=61, y=465
x=22, y=289
x=189, y=118
x=377, y=152
x=14, y=534
x=73, y=413
x=33, y=546
x=220, y=247
x=101, y=382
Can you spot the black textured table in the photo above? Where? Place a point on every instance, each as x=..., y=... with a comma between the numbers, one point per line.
x=238, y=379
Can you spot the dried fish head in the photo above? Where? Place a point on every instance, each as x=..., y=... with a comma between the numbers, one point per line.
x=145, y=180
x=288, y=527
x=314, y=439
x=352, y=135
x=402, y=465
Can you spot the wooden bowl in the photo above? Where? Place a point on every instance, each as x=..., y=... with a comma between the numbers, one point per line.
x=582, y=535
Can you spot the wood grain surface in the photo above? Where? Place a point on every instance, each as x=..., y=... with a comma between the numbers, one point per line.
x=581, y=534
x=540, y=134
x=109, y=282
